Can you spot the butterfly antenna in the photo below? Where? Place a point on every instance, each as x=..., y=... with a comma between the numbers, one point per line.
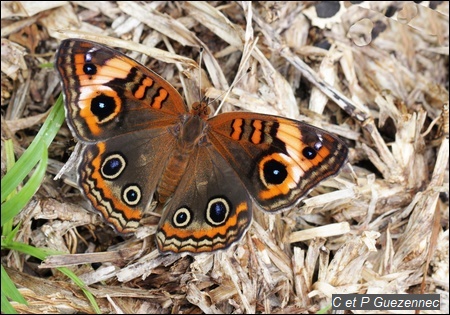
x=239, y=75
x=200, y=73
x=224, y=94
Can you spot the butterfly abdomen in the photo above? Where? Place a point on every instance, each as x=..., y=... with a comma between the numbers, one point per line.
x=189, y=132
x=171, y=177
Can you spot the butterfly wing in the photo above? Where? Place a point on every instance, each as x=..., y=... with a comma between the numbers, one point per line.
x=127, y=118
x=121, y=112
x=210, y=209
x=119, y=176
x=108, y=93
x=279, y=160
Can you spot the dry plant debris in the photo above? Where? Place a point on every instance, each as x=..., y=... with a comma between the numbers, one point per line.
x=374, y=73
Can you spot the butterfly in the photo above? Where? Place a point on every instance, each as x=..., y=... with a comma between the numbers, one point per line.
x=141, y=143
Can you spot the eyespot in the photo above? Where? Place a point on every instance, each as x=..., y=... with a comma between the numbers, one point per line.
x=274, y=172
x=90, y=69
x=182, y=218
x=113, y=166
x=217, y=211
x=103, y=106
x=131, y=194
x=309, y=153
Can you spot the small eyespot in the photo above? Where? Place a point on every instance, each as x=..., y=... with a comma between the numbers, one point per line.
x=274, y=172
x=309, y=153
x=217, y=211
x=113, y=166
x=90, y=69
x=131, y=195
x=182, y=218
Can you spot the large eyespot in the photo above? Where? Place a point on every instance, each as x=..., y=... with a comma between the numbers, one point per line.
x=217, y=211
x=274, y=172
x=113, y=166
x=182, y=217
x=103, y=106
x=90, y=69
x=131, y=194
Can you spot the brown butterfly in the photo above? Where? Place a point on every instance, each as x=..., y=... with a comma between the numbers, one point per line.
x=140, y=142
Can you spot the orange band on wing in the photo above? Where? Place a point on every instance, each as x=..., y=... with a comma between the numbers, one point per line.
x=146, y=83
x=203, y=240
x=121, y=216
x=210, y=233
x=236, y=126
x=257, y=133
x=158, y=100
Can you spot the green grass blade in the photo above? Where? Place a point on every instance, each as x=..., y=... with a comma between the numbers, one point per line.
x=42, y=253
x=10, y=290
x=7, y=226
x=29, y=159
x=7, y=308
x=16, y=203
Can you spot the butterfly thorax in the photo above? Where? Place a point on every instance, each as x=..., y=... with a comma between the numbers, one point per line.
x=189, y=133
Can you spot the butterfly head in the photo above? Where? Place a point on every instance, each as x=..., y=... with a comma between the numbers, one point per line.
x=201, y=109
